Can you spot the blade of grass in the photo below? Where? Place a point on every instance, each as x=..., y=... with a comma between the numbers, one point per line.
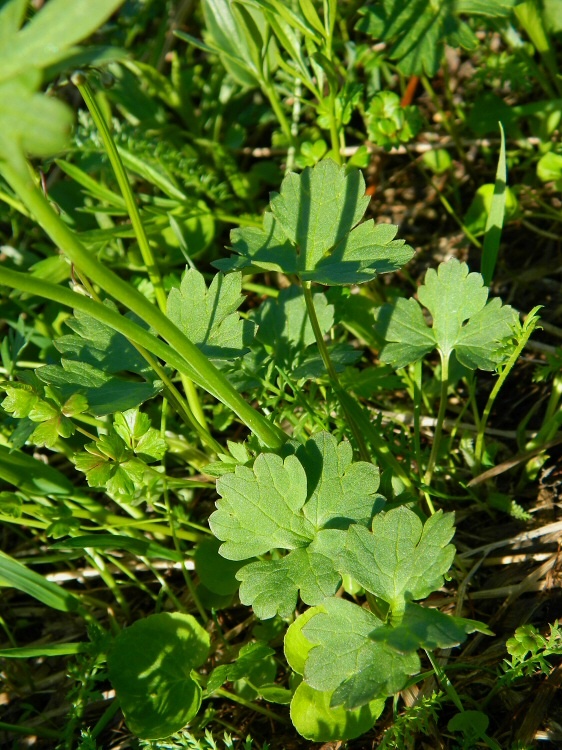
x=17, y=575
x=496, y=217
x=194, y=364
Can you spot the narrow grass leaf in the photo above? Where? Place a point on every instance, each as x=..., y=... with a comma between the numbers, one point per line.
x=15, y=574
x=496, y=217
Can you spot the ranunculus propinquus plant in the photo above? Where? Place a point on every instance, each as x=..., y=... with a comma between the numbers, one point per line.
x=330, y=538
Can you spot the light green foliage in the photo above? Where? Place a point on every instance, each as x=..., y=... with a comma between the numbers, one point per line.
x=302, y=503
x=149, y=667
x=530, y=650
x=313, y=231
x=118, y=461
x=549, y=168
x=53, y=417
x=97, y=361
x=40, y=125
x=479, y=210
x=208, y=317
x=311, y=711
x=453, y=296
x=389, y=123
x=316, y=719
x=417, y=31
x=133, y=427
x=402, y=559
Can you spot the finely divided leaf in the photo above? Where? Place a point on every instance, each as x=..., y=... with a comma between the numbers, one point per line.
x=208, y=317
x=346, y=660
x=463, y=321
x=312, y=231
x=402, y=559
x=304, y=504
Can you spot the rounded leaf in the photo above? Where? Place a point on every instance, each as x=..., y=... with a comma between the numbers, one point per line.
x=314, y=719
x=296, y=645
x=150, y=667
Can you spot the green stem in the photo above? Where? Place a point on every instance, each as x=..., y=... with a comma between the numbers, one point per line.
x=194, y=364
x=428, y=476
x=155, y=277
x=81, y=83
x=334, y=131
x=528, y=328
x=275, y=102
x=252, y=706
x=332, y=374
x=445, y=681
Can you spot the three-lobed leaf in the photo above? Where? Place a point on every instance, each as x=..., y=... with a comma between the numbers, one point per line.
x=346, y=660
x=313, y=231
x=303, y=503
x=463, y=321
x=401, y=559
x=208, y=317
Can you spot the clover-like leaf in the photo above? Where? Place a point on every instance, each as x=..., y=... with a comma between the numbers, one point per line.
x=303, y=503
x=109, y=463
x=208, y=317
x=20, y=399
x=133, y=427
x=313, y=231
x=346, y=660
x=401, y=559
x=150, y=667
x=463, y=321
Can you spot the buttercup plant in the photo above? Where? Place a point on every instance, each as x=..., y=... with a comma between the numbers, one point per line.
x=211, y=421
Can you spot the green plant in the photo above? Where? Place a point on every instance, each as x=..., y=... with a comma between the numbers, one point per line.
x=266, y=381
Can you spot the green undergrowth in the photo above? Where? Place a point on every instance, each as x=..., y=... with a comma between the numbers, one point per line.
x=242, y=414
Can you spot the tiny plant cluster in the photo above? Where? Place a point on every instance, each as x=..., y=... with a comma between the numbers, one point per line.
x=320, y=524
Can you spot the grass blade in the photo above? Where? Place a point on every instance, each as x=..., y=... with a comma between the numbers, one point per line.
x=496, y=217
